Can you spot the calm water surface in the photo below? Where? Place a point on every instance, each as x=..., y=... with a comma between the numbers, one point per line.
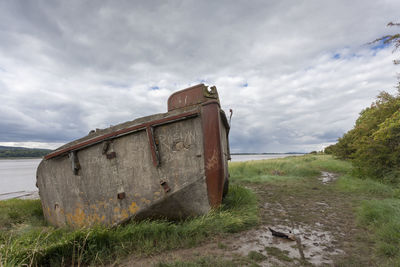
x=18, y=175
x=260, y=157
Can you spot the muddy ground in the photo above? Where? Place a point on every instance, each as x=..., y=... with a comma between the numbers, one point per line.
x=320, y=218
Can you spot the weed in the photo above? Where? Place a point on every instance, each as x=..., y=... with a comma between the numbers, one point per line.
x=18, y=211
x=256, y=256
x=279, y=254
x=222, y=245
x=368, y=187
x=200, y=262
x=382, y=217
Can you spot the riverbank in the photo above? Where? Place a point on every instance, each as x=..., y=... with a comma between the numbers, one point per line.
x=335, y=219
x=20, y=195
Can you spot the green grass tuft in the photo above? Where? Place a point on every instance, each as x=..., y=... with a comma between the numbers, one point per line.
x=348, y=183
x=200, y=262
x=18, y=211
x=279, y=254
x=382, y=217
x=256, y=256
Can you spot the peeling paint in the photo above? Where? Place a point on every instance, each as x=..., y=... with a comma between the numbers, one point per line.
x=145, y=200
x=133, y=208
x=77, y=218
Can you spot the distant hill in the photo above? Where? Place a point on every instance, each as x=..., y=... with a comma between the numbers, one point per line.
x=22, y=152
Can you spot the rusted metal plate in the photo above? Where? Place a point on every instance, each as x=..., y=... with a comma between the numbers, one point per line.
x=192, y=96
x=153, y=147
x=115, y=134
x=111, y=155
x=121, y=195
x=213, y=165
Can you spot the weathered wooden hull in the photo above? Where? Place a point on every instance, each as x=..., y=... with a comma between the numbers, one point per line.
x=170, y=165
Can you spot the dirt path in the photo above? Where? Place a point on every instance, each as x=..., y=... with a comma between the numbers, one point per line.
x=320, y=218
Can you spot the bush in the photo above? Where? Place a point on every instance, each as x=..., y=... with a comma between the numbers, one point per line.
x=373, y=144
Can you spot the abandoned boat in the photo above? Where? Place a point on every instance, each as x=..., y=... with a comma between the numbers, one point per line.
x=170, y=165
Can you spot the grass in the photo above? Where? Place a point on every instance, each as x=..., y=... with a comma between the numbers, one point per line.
x=17, y=211
x=256, y=256
x=374, y=188
x=251, y=260
x=382, y=218
x=279, y=254
x=283, y=169
x=200, y=262
x=378, y=212
x=26, y=239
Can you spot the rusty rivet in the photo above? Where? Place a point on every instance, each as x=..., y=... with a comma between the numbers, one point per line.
x=111, y=155
x=121, y=195
x=165, y=186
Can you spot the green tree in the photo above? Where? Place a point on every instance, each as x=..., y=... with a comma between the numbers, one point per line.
x=373, y=145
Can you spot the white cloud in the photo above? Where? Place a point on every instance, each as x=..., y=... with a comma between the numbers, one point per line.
x=296, y=75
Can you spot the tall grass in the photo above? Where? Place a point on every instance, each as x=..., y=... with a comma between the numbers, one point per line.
x=379, y=212
x=25, y=239
x=382, y=217
x=200, y=262
x=296, y=167
x=372, y=188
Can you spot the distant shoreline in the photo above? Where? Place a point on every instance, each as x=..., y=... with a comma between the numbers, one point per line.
x=9, y=152
x=5, y=158
x=286, y=153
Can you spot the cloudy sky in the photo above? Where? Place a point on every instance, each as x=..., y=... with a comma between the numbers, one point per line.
x=295, y=73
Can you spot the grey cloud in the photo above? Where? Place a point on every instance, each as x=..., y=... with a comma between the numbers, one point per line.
x=70, y=66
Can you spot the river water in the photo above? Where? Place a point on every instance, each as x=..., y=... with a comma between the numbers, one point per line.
x=249, y=157
x=18, y=176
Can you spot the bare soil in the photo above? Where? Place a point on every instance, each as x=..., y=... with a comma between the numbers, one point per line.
x=320, y=217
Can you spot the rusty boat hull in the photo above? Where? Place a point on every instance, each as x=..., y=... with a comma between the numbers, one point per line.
x=170, y=165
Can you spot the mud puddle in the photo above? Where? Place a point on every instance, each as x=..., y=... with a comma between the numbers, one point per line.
x=327, y=177
x=316, y=245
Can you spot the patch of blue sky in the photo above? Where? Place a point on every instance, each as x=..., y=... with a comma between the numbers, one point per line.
x=380, y=44
x=345, y=56
x=154, y=88
x=245, y=85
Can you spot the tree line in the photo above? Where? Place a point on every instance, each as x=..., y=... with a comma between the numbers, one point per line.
x=22, y=152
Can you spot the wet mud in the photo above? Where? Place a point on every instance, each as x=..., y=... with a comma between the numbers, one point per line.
x=320, y=218
x=315, y=244
x=327, y=177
